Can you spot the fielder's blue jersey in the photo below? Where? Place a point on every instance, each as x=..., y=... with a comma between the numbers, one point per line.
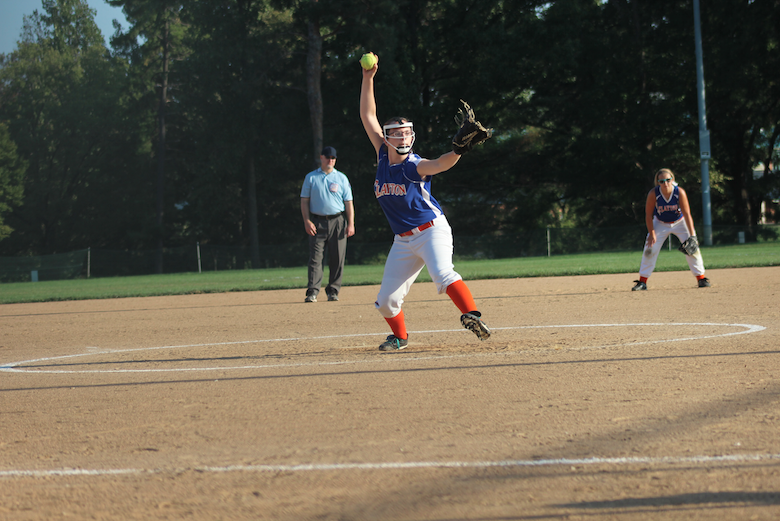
x=402, y=194
x=667, y=211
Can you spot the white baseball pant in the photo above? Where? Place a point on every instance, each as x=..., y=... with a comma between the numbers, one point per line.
x=662, y=231
x=431, y=247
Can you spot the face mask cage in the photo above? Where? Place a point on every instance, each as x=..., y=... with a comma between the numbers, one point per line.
x=403, y=149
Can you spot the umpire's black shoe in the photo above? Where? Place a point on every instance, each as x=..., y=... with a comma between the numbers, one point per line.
x=704, y=283
x=640, y=286
x=333, y=297
x=311, y=296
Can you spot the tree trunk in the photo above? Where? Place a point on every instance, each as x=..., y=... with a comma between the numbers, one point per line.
x=161, y=149
x=252, y=216
x=314, y=87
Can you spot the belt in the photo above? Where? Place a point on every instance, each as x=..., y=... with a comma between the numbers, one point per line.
x=416, y=230
x=328, y=217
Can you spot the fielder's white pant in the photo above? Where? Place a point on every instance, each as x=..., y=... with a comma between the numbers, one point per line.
x=431, y=247
x=662, y=231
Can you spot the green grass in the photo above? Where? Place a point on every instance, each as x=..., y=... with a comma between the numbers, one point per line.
x=738, y=256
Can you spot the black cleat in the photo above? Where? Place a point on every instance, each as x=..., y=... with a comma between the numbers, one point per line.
x=473, y=322
x=392, y=343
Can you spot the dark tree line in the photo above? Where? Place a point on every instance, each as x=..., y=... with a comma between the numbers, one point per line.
x=200, y=121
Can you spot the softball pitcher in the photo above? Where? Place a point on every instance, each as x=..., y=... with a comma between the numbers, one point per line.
x=423, y=236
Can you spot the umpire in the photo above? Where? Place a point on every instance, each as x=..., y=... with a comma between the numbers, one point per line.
x=326, y=197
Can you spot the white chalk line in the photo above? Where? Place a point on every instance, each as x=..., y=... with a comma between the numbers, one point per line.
x=325, y=467
x=14, y=367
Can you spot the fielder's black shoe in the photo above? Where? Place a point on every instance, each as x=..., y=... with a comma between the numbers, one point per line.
x=640, y=286
x=473, y=322
x=393, y=344
x=704, y=283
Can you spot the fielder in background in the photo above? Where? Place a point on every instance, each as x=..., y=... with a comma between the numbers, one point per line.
x=326, y=196
x=667, y=212
x=423, y=236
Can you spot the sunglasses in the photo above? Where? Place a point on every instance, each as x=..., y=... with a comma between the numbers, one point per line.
x=668, y=180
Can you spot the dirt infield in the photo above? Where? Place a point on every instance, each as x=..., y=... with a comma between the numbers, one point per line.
x=589, y=402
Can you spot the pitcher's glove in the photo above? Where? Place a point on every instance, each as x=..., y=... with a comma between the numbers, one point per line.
x=690, y=246
x=471, y=131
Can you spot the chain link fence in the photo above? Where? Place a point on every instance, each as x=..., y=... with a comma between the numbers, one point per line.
x=94, y=262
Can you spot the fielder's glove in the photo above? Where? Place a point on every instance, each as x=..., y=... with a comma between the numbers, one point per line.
x=471, y=131
x=690, y=246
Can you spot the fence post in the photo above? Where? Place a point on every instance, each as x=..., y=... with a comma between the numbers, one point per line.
x=89, y=260
x=199, y=267
x=549, y=246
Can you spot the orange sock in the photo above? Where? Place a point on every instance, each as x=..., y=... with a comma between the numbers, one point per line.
x=461, y=296
x=642, y=279
x=398, y=325
x=699, y=277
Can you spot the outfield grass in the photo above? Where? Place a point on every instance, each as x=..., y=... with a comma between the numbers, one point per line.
x=737, y=256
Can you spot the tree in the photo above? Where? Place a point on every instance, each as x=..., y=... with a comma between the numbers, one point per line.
x=158, y=25
x=203, y=122
x=62, y=96
x=742, y=59
x=241, y=122
x=12, y=169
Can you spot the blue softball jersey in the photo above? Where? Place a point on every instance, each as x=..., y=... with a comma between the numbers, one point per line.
x=403, y=195
x=667, y=211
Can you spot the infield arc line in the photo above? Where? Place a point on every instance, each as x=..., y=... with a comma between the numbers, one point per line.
x=14, y=367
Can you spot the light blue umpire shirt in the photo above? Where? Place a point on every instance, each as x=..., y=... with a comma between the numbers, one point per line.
x=326, y=192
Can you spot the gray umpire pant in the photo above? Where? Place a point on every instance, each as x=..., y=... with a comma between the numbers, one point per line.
x=333, y=234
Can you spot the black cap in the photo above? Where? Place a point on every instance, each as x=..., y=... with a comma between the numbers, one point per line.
x=329, y=152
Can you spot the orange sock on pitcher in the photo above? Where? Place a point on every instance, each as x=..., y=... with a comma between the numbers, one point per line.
x=461, y=296
x=398, y=325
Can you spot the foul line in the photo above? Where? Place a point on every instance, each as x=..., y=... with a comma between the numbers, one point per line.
x=13, y=367
x=325, y=467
